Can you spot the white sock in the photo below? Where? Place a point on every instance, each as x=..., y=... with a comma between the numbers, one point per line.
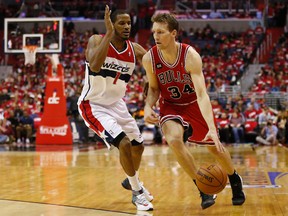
x=134, y=182
x=137, y=175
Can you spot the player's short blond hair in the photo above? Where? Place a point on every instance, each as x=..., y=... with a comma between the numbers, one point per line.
x=167, y=18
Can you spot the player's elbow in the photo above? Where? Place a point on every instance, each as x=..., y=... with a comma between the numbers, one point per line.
x=95, y=68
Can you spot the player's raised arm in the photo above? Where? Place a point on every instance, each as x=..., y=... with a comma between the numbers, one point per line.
x=153, y=91
x=97, y=47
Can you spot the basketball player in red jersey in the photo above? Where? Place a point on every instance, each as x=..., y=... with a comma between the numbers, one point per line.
x=110, y=62
x=175, y=77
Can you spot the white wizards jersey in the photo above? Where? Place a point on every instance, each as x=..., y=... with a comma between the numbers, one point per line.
x=109, y=84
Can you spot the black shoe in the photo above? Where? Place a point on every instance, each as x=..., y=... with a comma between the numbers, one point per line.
x=207, y=200
x=126, y=184
x=237, y=191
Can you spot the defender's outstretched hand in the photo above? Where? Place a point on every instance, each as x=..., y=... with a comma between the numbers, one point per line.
x=108, y=23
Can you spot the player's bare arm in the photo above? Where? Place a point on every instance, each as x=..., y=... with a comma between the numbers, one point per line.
x=150, y=116
x=139, y=51
x=97, y=47
x=194, y=67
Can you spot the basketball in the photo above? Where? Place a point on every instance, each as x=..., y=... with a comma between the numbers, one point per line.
x=211, y=179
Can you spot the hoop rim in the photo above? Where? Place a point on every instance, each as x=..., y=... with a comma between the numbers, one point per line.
x=31, y=48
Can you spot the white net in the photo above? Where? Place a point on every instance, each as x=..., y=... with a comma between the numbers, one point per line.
x=30, y=54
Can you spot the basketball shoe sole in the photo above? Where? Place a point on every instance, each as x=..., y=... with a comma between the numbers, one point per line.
x=140, y=201
x=207, y=200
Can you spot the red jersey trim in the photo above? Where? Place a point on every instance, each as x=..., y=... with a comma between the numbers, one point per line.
x=179, y=104
x=177, y=59
x=153, y=61
x=174, y=117
x=123, y=55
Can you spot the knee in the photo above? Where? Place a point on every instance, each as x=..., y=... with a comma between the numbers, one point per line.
x=124, y=144
x=138, y=149
x=175, y=142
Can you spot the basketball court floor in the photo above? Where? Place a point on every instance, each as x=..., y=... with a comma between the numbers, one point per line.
x=86, y=180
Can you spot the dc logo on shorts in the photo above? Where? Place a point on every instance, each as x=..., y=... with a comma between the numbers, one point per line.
x=159, y=65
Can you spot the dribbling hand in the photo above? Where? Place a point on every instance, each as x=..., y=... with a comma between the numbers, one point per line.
x=150, y=116
x=108, y=23
x=212, y=135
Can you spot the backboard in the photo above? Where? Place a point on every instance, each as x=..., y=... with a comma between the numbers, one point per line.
x=44, y=33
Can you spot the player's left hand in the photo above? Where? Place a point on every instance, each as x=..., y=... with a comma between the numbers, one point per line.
x=212, y=135
x=150, y=116
x=108, y=23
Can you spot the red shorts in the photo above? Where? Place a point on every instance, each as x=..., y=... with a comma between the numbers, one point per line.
x=188, y=115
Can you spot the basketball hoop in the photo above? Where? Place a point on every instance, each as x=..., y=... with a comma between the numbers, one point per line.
x=30, y=54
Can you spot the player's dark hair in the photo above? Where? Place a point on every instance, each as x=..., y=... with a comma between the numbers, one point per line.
x=172, y=22
x=115, y=13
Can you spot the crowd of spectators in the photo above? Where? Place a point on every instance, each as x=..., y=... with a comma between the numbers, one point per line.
x=256, y=121
x=241, y=9
x=225, y=55
x=242, y=120
x=273, y=76
x=224, y=4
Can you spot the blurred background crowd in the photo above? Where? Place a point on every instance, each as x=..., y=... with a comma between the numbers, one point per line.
x=256, y=113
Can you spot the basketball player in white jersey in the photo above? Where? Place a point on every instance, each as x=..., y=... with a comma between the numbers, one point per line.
x=110, y=62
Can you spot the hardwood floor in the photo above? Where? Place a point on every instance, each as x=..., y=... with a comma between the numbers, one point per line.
x=86, y=180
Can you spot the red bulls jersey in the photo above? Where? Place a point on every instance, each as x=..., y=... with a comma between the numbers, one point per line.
x=174, y=81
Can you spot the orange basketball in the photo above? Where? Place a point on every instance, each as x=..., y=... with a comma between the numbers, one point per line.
x=211, y=179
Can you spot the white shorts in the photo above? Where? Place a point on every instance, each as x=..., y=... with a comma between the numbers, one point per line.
x=109, y=121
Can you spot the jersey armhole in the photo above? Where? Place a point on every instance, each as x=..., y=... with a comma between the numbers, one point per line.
x=152, y=62
x=185, y=58
x=133, y=50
